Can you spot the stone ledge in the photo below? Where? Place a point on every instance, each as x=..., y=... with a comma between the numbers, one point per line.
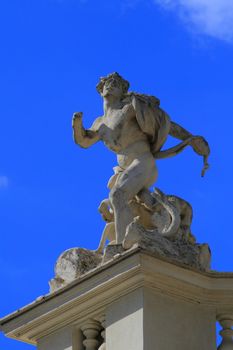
x=89, y=294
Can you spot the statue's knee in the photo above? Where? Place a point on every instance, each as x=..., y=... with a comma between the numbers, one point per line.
x=117, y=197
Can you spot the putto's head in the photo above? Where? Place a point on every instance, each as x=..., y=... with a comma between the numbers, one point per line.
x=112, y=85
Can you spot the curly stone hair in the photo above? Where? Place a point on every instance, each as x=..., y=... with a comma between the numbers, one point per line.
x=124, y=83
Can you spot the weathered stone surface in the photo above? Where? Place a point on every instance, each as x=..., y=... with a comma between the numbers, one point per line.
x=148, y=304
x=72, y=264
x=111, y=251
x=75, y=262
x=195, y=255
x=135, y=127
x=169, y=215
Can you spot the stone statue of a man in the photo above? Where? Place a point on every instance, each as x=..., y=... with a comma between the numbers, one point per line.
x=135, y=128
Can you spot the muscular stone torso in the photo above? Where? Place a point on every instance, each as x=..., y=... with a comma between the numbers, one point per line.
x=121, y=133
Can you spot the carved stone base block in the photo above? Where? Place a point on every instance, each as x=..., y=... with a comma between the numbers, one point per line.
x=136, y=301
x=111, y=251
x=195, y=255
x=159, y=322
x=71, y=264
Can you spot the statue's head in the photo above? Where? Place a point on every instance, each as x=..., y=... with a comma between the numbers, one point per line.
x=113, y=84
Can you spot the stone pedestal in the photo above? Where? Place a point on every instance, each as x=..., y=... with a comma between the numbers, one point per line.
x=135, y=302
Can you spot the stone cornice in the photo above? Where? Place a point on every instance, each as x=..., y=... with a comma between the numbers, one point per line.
x=89, y=295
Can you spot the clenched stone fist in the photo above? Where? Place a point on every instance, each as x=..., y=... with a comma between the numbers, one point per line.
x=77, y=118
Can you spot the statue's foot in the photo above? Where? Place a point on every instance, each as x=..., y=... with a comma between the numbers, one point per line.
x=112, y=251
x=133, y=234
x=146, y=197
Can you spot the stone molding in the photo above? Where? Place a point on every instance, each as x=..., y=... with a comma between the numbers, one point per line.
x=88, y=296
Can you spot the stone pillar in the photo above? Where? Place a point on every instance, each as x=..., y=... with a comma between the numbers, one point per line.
x=172, y=323
x=226, y=321
x=147, y=303
x=103, y=333
x=151, y=320
x=77, y=339
x=124, y=322
x=91, y=330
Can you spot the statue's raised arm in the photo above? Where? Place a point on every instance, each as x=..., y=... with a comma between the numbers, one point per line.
x=82, y=137
x=135, y=128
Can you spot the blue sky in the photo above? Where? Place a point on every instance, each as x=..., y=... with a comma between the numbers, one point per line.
x=52, y=55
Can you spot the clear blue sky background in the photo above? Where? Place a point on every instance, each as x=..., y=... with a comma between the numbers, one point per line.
x=52, y=54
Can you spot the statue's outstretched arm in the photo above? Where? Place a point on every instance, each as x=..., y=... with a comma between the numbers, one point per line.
x=178, y=132
x=82, y=137
x=198, y=143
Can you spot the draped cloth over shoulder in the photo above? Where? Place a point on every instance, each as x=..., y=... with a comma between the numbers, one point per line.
x=156, y=123
x=153, y=121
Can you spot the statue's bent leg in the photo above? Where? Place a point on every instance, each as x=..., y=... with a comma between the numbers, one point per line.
x=140, y=174
x=122, y=213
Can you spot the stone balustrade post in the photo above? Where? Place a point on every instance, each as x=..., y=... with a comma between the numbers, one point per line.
x=103, y=333
x=226, y=321
x=91, y=331
x=140, y=301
